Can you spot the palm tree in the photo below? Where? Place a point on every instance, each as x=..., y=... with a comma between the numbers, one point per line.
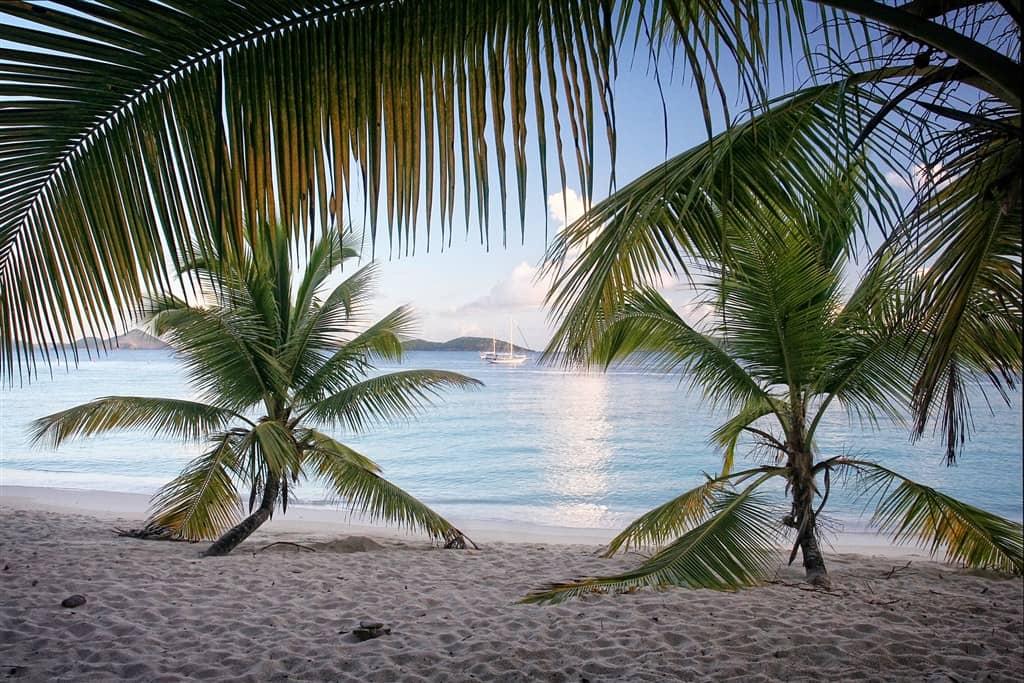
x=781, y=346
x=275, y=363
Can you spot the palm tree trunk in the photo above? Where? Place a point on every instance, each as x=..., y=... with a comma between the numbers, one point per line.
x=806, y=521
x=231, y=538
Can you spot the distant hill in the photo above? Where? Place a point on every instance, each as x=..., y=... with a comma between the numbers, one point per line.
x=462, y=344
x=134, y=340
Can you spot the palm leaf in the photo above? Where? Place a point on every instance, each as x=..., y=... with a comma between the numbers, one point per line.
x=912, y=512
x=682, y=209
x=733, y=548
x=382, y=340
x=188, y=420
x=677, y=516
x=392, y=396
x=369, y=494
x=647, y=330
x=202, y=501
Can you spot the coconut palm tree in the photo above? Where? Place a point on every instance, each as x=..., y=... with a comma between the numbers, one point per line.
x=780, y=346
x=277, y=364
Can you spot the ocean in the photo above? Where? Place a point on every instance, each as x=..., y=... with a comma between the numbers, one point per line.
x=536, y=445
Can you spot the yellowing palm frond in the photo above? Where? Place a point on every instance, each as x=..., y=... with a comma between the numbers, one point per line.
x=914, y=513
x=202, y=501
x=677, y=516
x=369, y=494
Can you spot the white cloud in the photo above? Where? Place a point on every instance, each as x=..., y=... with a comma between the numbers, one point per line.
x=565, y=207
x=520, y=291
x=920, y=176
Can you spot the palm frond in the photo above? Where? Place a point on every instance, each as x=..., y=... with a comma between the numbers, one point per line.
x=965, y=236
x=914, y=513
x=188, y=420
x=647, y=330
x=392, y=396
x=226, y=352
x=727, y=435
x=680, y=210
x=733, y=548
x=347, y=365
x=369, y=494
x=202, y=501
x=114, y=153
x=677, y=516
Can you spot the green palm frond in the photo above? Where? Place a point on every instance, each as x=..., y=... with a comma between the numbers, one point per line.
x=278, y=449
x=677, y=516
x=778, y=302
x=965, y=236
x=347, y=365
x=114, y=155
x=727, y=435
x=227, y=352
x=202, y=501
x=914, y=513
x=369, y=494
x=322, y=327
x=733, y=548
x=680, y=210
x=647, y=329
x=392, y=396
x=188, y=420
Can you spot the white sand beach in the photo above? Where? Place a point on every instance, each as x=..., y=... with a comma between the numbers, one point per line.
x=156, y=611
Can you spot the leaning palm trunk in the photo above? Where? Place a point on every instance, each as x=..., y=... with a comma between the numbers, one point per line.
x=234, y=536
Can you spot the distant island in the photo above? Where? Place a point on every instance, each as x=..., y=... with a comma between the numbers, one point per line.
x=463, y=344
x=133, y=340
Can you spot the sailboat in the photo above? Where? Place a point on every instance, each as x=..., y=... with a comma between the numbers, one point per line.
x=493, y=353
x=511, y=358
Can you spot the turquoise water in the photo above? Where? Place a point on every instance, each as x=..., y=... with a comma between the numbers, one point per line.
x=534, y=445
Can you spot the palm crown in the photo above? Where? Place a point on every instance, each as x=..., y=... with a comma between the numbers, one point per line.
x=265, y=346
x=781, y=345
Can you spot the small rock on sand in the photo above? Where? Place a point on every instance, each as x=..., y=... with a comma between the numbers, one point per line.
x=73, y=601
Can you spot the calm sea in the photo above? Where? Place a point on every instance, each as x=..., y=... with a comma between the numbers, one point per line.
x=534, y=445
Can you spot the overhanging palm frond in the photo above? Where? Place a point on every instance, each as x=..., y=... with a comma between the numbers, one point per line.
x=114, y=152
x=395, y=395
x=965, y=236
x=733, y=548
x=201, y=502
x=915, y=513
x=188, y=420
x=370, y=495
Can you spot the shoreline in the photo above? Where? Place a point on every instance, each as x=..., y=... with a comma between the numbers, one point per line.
x=328, y=521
